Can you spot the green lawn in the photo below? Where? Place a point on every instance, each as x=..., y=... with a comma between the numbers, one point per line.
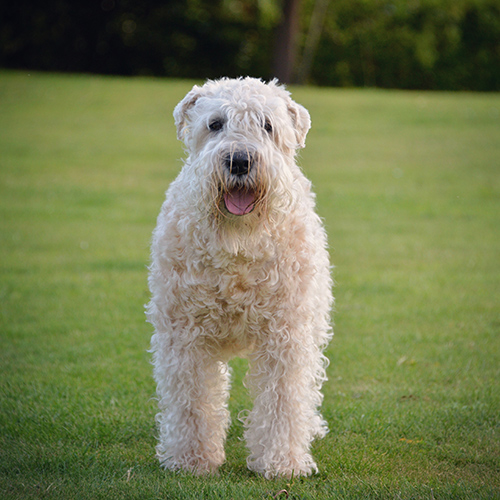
x=409, y=186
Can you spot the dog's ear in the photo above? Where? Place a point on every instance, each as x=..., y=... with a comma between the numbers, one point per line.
x=301, y=121
x=300, y=116
x=181, y=110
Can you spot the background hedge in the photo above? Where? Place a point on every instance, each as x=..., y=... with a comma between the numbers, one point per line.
x=416, y=44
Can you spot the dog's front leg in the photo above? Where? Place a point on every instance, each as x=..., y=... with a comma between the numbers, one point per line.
x=284, y=381
x=192, y=391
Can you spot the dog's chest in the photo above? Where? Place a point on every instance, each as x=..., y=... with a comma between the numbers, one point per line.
x=245, y=285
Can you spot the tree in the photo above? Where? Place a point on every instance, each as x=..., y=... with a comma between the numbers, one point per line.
x=285, y=48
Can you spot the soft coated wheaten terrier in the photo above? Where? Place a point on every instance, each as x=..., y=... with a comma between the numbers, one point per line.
x=240, y=267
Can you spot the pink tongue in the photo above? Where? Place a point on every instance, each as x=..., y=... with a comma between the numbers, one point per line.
x=239, y=201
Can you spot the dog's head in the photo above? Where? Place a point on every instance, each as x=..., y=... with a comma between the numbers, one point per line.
x=241, y=136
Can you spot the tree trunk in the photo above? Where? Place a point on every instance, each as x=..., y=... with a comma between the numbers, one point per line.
x=286, y=41
x=312, y=40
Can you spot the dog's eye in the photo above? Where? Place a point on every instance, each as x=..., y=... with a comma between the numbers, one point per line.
x=268, y=127
x=216, y=125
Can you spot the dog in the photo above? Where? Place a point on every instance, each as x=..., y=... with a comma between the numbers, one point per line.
x=240, y=267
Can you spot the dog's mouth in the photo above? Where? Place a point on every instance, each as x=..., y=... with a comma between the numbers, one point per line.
x=240, y=201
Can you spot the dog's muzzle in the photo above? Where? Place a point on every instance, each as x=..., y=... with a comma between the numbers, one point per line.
x=239, y=163
x=240, y=199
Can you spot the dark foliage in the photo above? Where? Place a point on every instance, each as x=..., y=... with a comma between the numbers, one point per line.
x=128, y=37
x=418, y=44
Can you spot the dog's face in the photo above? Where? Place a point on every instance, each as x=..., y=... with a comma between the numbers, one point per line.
x=241, y=136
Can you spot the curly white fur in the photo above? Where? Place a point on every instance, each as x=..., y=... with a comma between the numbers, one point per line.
x=228, y=279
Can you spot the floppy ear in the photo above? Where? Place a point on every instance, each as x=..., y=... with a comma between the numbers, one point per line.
x=181, y=110
x=301, y=122
x=300, y=116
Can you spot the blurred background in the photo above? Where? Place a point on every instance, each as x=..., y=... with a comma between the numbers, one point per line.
x=410, y=44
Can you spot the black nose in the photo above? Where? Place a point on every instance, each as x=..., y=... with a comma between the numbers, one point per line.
x=239, y=163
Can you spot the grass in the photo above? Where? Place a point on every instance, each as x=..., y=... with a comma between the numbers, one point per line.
x=408, y=185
